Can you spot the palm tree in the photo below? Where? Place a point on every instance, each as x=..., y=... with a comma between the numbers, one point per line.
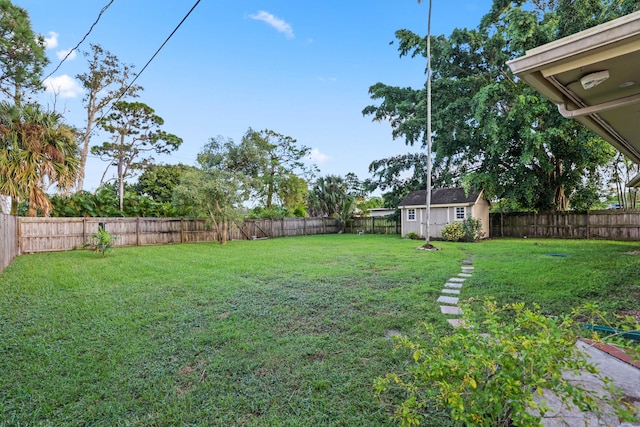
x=36, y=150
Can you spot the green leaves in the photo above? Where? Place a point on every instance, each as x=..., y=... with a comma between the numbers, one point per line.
x=487, y=372
x=135, y=134
x=489, y=129
x=101, y=242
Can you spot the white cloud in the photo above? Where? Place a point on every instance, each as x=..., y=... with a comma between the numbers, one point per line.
x=63, y=86
x=277, y=23
x=51, y=42
x=61, y=54
x=317, y=156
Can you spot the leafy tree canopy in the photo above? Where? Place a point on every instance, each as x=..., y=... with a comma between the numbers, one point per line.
x=158, y=181
x=491, y=130
x=335, y=196
x=22, y=54
x=273, y=161
x=36, y=150
x=106, y=80
x=136, y=134
x=217, y=189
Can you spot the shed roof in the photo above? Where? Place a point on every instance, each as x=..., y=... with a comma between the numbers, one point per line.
x=441, y=196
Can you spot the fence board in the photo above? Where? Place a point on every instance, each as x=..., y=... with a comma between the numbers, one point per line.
x=373, y=225
x=62, y=234
x=9, y=247
x=609, y=224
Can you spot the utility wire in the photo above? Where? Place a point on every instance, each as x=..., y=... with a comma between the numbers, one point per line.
x=81, y=41
x=124, y=92
x=157, y=52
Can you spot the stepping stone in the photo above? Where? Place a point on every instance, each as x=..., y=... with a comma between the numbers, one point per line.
x=453, y=285
x=447, y=309
x=465, y=274
x=466, y=262
x=448, y=300
x=451, y=291
x=456, y=323
x=457, y=279
x=467, y=267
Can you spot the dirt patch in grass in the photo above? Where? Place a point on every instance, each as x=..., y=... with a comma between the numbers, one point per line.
x=633, y=313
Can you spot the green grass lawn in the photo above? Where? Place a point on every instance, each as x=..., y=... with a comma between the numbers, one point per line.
x=286, y=332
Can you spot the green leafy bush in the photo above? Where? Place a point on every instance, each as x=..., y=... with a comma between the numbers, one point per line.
x=453, y=232
x=493, y=371
x=472, y=229
x=412, y=235
x=468, y=230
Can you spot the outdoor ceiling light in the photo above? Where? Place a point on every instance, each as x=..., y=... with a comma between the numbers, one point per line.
x=626, y=84
x=594, y=79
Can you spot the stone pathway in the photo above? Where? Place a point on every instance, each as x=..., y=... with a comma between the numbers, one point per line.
x=451, y=294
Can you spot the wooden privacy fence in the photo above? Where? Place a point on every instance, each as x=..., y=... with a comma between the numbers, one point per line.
x=8, y=239
x=373, y=225
x=610, y=224
x=62, y=234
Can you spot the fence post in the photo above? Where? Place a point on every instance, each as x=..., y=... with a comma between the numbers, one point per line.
x=138, y=231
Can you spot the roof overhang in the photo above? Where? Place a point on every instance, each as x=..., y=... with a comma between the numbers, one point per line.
x=593, y=77
x=448, y=205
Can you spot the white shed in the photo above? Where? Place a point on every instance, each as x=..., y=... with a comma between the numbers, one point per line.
x=447, y=205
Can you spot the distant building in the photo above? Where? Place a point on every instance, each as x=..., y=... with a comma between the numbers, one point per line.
x=447, y=205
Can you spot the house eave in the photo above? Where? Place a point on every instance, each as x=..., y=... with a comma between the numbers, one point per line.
x=449, y=205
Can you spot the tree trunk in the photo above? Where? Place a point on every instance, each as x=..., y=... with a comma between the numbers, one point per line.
x=92, y=109
x=560, y=201
x=120, y=185
x=14, y=206
x=223, y=232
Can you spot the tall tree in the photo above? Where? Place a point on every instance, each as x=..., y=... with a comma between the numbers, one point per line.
x=158, y=181
x=331, y=194
x=106, y=81
x=293, y=191
x=22, y=54
x=271, y=158
x=218, y=189
x=36, y=150
x=136, y=133
x=497, y=131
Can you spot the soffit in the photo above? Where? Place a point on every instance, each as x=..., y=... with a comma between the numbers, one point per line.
x=611, y=108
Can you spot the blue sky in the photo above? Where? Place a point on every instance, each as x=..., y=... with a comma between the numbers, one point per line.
x=299, y=68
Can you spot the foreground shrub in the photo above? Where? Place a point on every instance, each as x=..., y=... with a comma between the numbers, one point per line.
x=493, y=371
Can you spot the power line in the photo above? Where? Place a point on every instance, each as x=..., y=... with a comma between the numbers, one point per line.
x=124, y=92
x=83, y=39
x=157, y=51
